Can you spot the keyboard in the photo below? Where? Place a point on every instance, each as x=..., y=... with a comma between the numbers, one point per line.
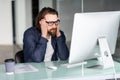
x=70, y=65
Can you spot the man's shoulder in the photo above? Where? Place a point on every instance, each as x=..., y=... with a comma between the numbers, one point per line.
x=31, y=29
x=62, y=32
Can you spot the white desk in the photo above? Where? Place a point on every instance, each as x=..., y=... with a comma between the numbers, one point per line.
x=62, y=73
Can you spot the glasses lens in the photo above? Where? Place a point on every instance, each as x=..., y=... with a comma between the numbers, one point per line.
x=57, y=22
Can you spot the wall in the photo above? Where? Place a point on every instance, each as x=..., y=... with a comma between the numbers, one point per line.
x=45, y=3
x=23, y=17
x=66, y=9
x=5, y=23
x=23, y=20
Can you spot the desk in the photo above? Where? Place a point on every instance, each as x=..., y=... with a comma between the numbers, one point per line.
x=62, y=72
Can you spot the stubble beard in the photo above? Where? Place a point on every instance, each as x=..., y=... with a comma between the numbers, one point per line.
x=52, y=32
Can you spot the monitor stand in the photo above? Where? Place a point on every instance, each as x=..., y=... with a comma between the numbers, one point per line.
x=105, y=58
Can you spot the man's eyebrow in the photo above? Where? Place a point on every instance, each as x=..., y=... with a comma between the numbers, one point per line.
x=53, y=21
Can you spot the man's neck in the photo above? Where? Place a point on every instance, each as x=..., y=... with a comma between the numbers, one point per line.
x=48, y=36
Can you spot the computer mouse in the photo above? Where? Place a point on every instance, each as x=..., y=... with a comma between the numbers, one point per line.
x=52, y=67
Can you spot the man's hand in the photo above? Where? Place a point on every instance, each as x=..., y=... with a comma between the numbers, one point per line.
x=44, y=29
x=58, y=31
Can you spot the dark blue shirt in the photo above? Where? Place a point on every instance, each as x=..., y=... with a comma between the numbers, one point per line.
x=34, y=46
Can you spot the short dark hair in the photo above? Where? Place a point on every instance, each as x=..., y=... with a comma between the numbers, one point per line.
x=42, y=13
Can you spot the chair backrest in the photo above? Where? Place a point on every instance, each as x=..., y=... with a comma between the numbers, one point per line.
x=19, y=57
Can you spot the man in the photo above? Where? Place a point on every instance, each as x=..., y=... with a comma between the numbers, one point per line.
x=45, y=42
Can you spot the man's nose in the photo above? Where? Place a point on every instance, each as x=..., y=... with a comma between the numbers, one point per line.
x=54, y=25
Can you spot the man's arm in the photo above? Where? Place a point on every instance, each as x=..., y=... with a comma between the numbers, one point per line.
x=34, y=51
x=63, y=52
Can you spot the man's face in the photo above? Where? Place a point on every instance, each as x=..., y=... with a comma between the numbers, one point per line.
x=52, y=22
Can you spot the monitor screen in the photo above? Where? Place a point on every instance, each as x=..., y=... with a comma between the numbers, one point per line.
x=87, y=29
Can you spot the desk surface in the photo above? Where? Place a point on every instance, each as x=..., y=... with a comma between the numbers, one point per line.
x=62, y=72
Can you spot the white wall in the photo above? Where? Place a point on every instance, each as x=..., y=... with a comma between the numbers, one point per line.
x=23, y=18
x=66, y=10
x=5, y=23
x=45, y=3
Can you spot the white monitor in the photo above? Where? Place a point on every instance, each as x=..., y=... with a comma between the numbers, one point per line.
x=87, y=29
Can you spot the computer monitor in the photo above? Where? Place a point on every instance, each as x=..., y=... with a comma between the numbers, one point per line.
x=88, y=28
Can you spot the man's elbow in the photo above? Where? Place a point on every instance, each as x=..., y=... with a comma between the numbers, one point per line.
x=64, y=57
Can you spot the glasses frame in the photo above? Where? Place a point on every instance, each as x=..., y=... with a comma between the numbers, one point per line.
x=51, y=23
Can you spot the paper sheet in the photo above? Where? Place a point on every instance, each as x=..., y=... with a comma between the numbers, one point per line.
x=24, y=68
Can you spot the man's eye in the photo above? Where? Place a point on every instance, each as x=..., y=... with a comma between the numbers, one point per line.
x=50, y=22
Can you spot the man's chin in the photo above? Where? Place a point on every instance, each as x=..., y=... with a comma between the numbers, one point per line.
x=53, y=34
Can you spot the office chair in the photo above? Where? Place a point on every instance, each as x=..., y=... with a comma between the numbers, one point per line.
x=19, y=57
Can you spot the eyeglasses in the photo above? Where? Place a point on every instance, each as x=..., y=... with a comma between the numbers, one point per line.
x=51, y=23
